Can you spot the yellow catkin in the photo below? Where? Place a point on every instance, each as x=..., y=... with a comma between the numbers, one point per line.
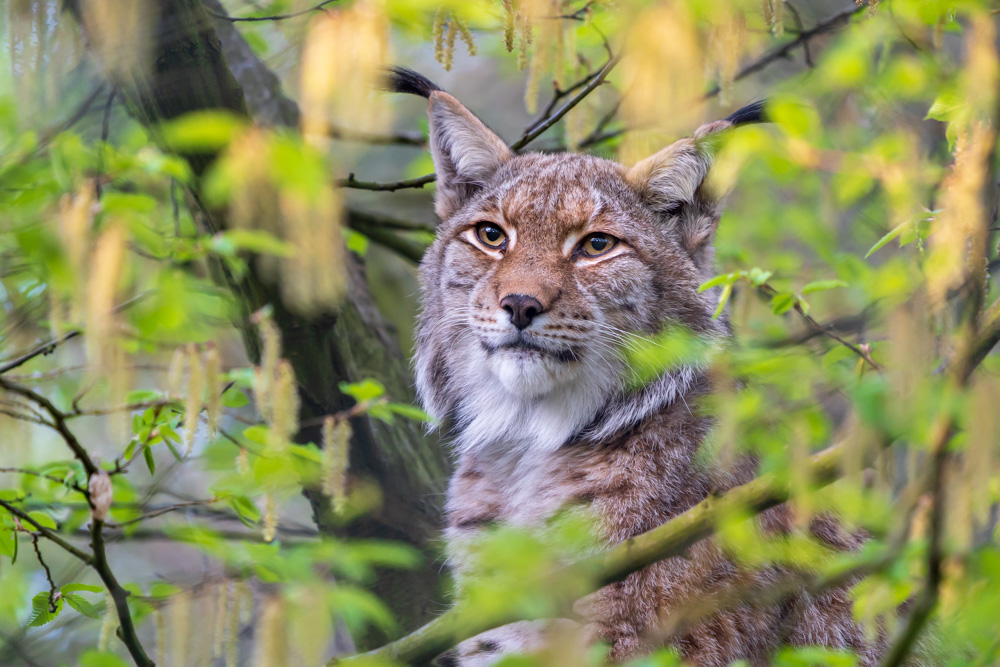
x=345, y=53
x=108, y=262
x=449, y=45
x=465, y=34
x=161, y=637
x=508, y=25
x=192, y=402
x=270, y=341
x=75, y=222
x=980, y=455
x=438, y=30
x=108, y=623
x=243, y=462
x=336, y=453
x=175, y=372
x=270, y=517
x=285, y=413
x=662, y=101
x=524, y=39
x=180, y=628
x=726, y=42
x=213, y=386
x=244, y=602
x=233, y=625
x=221, y=618
x=271, y=648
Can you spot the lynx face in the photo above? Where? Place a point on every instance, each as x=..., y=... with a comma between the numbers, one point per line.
x=543, y=266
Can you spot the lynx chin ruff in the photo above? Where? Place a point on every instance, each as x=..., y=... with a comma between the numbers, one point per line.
x=543, y=264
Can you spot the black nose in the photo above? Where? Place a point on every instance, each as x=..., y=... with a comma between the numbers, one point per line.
x=522, y=309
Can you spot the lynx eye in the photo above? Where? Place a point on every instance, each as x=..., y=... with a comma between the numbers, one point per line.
x=595, y=245
x=491, y=235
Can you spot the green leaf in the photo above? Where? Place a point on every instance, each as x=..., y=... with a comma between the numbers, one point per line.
x=409, y=411
x=202, y=131
x=254, y=240
x=723, y=300
x=147, y=454
x=944, y=107
x=43, y=520
x=356, y=242
x=40, y=612
x=82, y=605
x=820, y=285
x=234, y=398
x=782, y=303
x=246, y=510
x=723, y=279
x=142, y=396
x=758, y=276
x=72, y=588
x=893, y=233
x=366, y=390
x=95, y=658
x=8, y=543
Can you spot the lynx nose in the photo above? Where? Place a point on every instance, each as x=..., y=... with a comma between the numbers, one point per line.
x=522, y=309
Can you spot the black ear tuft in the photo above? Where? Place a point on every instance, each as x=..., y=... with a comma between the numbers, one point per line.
x=751, y=113
x=405, y=80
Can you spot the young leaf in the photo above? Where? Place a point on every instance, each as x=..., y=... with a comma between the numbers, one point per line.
x=893, y=233
x=723, y=299
x=40, y=611
x=82, y=605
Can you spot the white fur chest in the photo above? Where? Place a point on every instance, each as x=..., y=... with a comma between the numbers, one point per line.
x=531, y=486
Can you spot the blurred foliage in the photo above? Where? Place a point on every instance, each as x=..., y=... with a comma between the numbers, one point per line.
x=858, y=212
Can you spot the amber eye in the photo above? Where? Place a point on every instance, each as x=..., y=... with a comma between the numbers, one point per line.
x=491, y=235
x=597, y=244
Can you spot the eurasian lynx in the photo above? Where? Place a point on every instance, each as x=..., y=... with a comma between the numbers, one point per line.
x=542, y=265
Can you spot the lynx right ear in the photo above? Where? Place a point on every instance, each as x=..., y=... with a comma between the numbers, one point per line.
x=672, y=181
x=466, y=153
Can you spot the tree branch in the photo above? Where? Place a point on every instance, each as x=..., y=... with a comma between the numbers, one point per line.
x=127, y=631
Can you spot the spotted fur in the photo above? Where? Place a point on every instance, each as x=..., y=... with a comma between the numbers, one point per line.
x=542, y=417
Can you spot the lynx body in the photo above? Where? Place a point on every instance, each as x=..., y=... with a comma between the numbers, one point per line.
x=542, y=266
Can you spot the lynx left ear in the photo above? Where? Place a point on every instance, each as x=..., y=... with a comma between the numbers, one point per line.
x=672, y=182
x=466, y=153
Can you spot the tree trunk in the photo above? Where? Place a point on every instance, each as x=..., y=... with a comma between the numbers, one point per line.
x=189, y=72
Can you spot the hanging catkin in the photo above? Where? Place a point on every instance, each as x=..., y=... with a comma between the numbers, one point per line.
x=336, y=451
x=213, y=384
x=192, y=403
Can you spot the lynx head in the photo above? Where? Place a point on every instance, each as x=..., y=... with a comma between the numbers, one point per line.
x=543, y=266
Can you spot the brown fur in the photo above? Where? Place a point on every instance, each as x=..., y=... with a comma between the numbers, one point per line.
x=542, y=418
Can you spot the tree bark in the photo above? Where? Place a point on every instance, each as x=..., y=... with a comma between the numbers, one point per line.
x=189, y=72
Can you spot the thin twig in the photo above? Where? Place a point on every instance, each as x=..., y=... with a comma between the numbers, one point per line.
x=48, y=573
x=51, y=478
x=275, y=17
x=826, y=25
x=587, y=89
x=826, y=331
x=161, y=511
x=44, y=348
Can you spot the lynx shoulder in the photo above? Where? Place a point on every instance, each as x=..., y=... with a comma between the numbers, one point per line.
x=543, y=266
